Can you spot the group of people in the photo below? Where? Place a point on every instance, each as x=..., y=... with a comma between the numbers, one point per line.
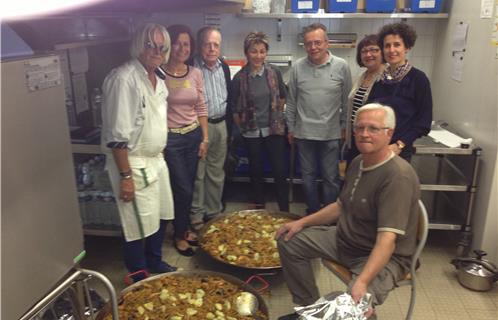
x=167, y=120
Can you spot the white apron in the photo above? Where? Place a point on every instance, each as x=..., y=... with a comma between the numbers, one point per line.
x=153, y=196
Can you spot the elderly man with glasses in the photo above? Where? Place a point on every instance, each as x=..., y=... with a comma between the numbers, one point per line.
x=376, y=215
x=319, y=86
x=134, y=134
x=210, y=178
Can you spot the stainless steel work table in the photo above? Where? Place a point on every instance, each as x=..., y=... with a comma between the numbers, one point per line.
x=450, y=170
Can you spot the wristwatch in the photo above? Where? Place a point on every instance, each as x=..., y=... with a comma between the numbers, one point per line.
x=125, y=175
x=400, y=144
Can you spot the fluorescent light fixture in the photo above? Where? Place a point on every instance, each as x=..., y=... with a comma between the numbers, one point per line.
x=19, y=9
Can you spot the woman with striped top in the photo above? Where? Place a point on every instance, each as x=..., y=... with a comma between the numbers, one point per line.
x=368, y=55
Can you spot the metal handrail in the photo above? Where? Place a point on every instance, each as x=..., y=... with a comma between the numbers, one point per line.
x=67, y=284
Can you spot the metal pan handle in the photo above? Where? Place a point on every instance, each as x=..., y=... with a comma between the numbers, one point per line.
x=128, y=278
x=264, y=284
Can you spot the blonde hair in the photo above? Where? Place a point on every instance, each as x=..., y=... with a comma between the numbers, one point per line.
x=256, y=37
x=144, y=34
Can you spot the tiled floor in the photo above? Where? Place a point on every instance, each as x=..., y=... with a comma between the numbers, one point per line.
x=439, y=295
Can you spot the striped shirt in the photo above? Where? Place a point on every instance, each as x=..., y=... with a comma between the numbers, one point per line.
x=215, y=88
x=358, y=101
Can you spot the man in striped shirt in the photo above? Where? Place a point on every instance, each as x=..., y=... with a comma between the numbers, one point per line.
x=210, y=174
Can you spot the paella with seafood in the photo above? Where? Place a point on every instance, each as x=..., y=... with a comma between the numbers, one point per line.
x=245, y=238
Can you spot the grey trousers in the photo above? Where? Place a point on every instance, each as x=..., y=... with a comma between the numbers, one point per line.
x=320, y=242
x=208, y=187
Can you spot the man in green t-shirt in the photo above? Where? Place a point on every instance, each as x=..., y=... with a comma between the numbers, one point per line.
x=376, y=215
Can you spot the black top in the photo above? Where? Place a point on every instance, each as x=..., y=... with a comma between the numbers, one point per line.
x=411, y=99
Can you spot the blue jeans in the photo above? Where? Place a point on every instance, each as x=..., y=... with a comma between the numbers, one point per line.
x=140, y=256
x=319, y=156
x=181, y=155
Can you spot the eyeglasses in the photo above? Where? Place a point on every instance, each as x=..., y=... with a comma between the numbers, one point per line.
x=370, y=129
x=153, y=46
x=317, y=43
x=369, y=50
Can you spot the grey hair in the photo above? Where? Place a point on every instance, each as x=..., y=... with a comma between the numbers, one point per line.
x=389, y=116
x=201, y=34
x=145, y=34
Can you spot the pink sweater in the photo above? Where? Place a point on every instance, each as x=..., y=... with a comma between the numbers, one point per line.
x=186, y=98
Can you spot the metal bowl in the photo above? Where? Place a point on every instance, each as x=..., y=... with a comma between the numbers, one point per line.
x=202, y=273
x=203, y=231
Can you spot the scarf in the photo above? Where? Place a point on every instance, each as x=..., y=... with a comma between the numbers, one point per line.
x=247, y=108
x=396, y=75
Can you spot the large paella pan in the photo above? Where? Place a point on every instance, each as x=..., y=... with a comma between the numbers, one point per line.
x=185, y=295
x=245, y=238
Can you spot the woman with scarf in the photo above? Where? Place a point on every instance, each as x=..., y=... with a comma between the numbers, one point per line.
x=404, y=88
x=259, y=92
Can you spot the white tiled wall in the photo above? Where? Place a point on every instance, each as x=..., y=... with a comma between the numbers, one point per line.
x=234, y=29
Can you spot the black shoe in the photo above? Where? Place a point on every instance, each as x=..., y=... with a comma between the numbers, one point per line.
x=163, y=267
x=195, y=242
x=290, y=316
x=187, y=252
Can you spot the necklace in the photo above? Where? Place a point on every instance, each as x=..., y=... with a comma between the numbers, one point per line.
x=177, y=72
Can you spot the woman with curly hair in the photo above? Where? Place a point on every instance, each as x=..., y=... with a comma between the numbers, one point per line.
x=404, y=88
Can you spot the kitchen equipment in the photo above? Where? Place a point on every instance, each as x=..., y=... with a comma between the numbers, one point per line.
x=476, y=273
x=348, y=6
x=42, y=238
x=374, y=6
x=247, y=290
x=305, y=6
x=433, y=6
x=205, y=229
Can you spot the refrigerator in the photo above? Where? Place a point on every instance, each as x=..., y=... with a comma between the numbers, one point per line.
x=41, y=231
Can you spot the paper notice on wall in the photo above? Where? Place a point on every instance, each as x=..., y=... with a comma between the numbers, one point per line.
x=457, y=66
x=487, y=9
x=42, y=73
x=460, y=37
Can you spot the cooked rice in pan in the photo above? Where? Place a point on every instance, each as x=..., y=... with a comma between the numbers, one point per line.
x=245, y=239
x=182, y=298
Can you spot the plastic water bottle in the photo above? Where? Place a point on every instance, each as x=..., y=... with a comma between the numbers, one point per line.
x=96, y=102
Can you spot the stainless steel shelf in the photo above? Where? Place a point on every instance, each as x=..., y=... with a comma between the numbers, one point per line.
x=86, y=148
x=443, y=187
x=102, y=232
x=346, y=15
x=444, y=226
x=89, y=43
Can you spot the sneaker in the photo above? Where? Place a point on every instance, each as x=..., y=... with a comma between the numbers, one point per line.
x=290, y=316
x=163, y=267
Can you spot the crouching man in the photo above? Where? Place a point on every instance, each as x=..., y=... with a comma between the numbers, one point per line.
x=376, y=214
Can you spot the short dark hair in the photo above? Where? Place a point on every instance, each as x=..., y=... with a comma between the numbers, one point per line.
x=313, y=27
x=405, y=31
x=174, y=32
x=256, y=37
x=202, y=32
x=368, y=40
